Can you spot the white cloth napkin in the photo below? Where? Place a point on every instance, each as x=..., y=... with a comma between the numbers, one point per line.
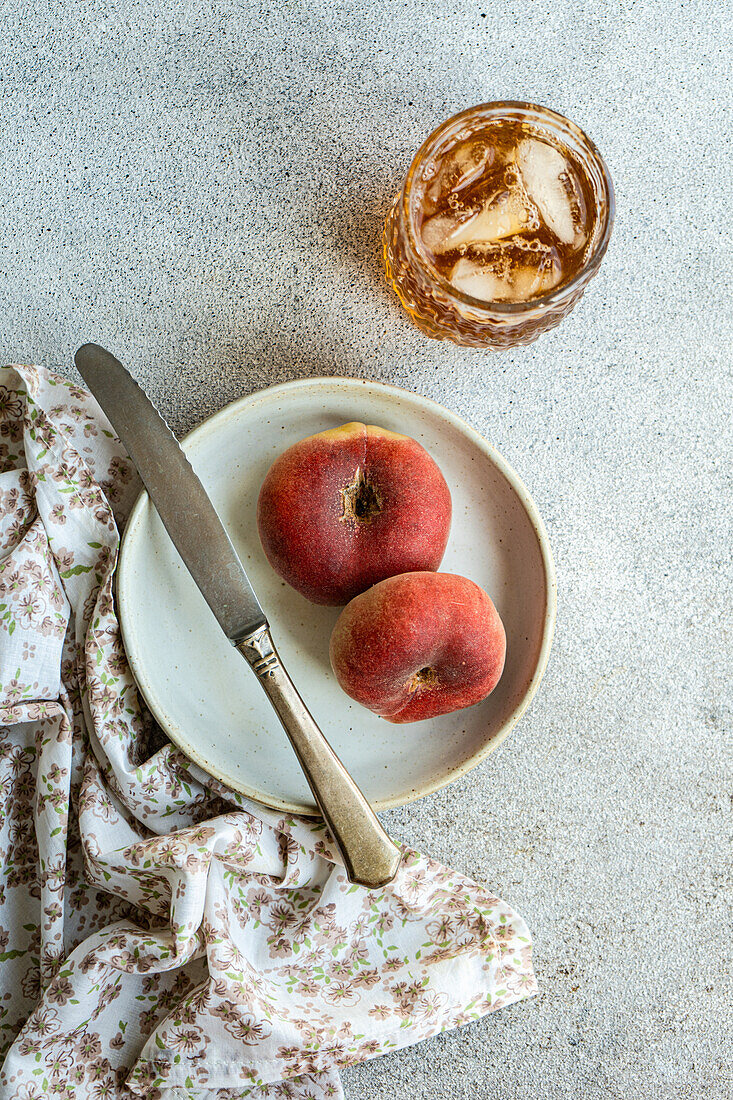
x=160, y=935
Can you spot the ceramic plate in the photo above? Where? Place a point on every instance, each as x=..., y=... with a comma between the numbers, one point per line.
x=202, y=692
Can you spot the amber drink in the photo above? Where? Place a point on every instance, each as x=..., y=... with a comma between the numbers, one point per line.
x=504, y=217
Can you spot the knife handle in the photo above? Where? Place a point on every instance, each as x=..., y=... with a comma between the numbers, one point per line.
x=370, y=857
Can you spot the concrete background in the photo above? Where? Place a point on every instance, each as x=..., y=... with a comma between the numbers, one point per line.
x=200, y=186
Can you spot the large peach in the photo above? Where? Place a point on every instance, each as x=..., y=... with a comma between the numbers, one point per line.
x=348, y=507
x=419, y=645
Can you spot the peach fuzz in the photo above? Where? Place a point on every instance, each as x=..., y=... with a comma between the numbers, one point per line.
x=419, y=645
x=342, y=510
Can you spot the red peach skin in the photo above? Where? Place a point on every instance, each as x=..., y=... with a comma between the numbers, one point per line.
x=419, y=645
x=348, y=507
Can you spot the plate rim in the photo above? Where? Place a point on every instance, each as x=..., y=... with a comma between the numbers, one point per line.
x=516, y=483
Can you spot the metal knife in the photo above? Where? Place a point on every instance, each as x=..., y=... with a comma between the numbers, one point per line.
x=370, y=857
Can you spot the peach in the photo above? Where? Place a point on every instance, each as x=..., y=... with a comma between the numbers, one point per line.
x=346, y=508
x=419, y=645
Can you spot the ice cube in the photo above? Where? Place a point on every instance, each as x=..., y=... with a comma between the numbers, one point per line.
x=530, y=281
x=436, y=232
x=480, y=281
x=511, y=272
x=505, y=213
x=548, y=178
x=461, y=167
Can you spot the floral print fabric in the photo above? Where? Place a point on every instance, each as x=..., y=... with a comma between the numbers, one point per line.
x=160, y=935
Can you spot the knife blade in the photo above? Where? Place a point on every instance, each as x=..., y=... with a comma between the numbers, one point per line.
x=180, y=499
x=370, y=857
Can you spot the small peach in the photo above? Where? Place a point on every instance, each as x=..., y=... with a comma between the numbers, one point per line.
x=419, y=645
x=346, y=508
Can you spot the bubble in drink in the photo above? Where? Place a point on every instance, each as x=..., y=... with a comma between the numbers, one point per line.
x=506, y=214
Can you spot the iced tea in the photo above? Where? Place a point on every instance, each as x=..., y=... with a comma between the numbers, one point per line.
x=504, y=217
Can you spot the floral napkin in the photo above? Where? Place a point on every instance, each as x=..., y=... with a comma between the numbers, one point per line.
x=160, y=935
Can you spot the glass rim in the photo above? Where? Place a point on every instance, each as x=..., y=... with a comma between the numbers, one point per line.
x=559, y=294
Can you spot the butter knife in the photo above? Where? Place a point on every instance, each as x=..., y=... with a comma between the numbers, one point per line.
x=370, y=857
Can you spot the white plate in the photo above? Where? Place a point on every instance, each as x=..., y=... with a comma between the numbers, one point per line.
x=202, y=692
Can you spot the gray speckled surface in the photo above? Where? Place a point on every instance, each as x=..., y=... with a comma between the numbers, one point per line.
x=200, y=186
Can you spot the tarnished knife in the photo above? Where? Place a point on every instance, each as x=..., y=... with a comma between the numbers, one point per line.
x=370, y=857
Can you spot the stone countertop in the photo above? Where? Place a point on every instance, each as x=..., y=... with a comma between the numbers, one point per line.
x=201, y=188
